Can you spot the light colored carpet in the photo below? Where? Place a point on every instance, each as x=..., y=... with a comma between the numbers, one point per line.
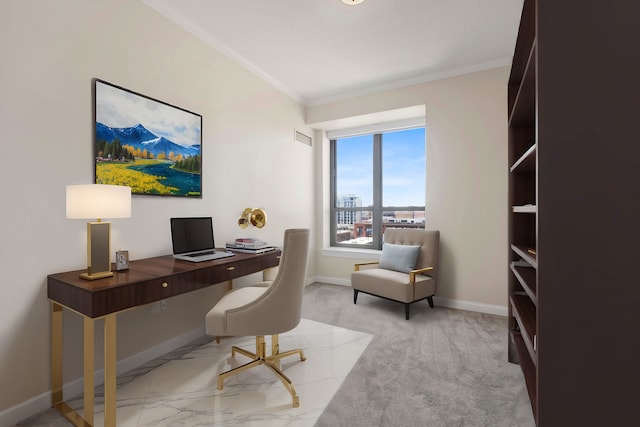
x=443, y=367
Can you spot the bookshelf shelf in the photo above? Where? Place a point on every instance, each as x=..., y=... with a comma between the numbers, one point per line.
x=528, y=368
x=527, y=278
x=525, y=209
x=526, y=254
x=527, y=162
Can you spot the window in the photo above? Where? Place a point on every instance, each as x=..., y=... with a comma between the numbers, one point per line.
x=377, y=182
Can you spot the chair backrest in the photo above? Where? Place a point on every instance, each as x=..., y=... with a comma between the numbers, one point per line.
x=279, y=309
x=428, y=240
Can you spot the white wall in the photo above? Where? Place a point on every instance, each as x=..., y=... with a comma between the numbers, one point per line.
x=50, y=52
x=466, y=193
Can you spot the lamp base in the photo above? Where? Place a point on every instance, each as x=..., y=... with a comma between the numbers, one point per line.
x=94, y=276
x=98, y=251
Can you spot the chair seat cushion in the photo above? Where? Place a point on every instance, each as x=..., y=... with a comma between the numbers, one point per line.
x=392, y=284
x=216, y=319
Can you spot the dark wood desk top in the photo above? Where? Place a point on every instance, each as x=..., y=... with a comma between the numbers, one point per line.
x=148, y=280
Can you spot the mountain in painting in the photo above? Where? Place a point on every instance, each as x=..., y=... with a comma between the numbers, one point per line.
x=164, y=145
x=140, y=137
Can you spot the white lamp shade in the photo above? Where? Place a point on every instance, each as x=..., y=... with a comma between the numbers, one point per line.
x=98, y=201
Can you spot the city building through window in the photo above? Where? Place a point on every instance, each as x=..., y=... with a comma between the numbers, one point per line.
x=377, y=182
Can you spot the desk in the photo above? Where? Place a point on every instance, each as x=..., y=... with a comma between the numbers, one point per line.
x=146, y=281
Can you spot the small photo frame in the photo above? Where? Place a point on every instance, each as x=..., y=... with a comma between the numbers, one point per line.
x=122, y=260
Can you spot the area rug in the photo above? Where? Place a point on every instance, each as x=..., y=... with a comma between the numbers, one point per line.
x=180, y=389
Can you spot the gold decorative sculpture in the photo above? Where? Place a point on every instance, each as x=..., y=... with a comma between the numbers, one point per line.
x=255, y=217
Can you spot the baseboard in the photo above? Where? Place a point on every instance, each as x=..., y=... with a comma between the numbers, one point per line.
x=442, y=302
x=13, y=415
x=41, y=402
x=332, y=280
x=498, y=310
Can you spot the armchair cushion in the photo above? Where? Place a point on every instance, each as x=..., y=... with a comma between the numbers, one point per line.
x=399, y=257
x=392, y=284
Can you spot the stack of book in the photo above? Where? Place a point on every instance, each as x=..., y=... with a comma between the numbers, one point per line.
x=250, y=246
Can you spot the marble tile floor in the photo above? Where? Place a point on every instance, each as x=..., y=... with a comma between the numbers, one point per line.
x=179, y=389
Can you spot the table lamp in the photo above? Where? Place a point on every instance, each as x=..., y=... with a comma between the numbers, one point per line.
x=98, y=201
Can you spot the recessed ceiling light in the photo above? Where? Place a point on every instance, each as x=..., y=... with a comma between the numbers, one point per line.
x=352, y=2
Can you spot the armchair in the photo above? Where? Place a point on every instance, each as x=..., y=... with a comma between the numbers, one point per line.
x=407, y=271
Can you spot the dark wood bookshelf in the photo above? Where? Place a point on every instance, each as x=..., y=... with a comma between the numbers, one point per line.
x=526, y=162
x=524, y=105
x=527, y=279
x=523, y=177
x=524, y=312
x=524, y=253
x=574, y=200
x=528, y=368
x=524, y=43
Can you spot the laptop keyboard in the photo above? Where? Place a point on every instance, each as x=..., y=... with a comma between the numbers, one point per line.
x=202, y=253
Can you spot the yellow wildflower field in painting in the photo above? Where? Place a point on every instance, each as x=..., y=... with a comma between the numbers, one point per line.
x=140, y=182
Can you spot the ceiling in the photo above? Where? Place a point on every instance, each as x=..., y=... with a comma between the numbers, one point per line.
x=319, y=51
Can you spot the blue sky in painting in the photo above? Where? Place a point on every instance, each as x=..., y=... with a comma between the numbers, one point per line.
x=118, y=108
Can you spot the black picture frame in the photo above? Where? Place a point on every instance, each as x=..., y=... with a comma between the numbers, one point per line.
x=144, y=143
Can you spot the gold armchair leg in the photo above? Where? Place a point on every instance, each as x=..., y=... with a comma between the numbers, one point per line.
x=260, y=358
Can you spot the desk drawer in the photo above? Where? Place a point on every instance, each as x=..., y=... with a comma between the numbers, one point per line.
x=215, y=274
x=124, y=297
x=232, y=270
x=271, y=259
x=166, y=287
x=249, y=266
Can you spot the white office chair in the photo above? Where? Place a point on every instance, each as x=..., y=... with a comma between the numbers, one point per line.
x=266, y=310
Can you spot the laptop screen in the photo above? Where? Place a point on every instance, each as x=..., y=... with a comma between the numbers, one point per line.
x=191, y=234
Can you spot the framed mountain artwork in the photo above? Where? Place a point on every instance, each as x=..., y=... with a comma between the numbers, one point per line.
x=151, y=146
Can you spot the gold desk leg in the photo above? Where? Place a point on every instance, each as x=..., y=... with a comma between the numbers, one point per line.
x=89, y=364
x=110, y=370
x=56, y=355
x=269, y=274
x=57, y=397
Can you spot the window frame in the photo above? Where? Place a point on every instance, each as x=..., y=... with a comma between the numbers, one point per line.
x=377, y=210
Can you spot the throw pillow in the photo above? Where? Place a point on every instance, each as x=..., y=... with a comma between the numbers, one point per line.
x=399, y=257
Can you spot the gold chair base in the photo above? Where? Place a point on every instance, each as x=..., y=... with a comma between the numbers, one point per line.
x=272, y=362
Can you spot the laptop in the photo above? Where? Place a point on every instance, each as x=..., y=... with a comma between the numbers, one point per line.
x=192, y=240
